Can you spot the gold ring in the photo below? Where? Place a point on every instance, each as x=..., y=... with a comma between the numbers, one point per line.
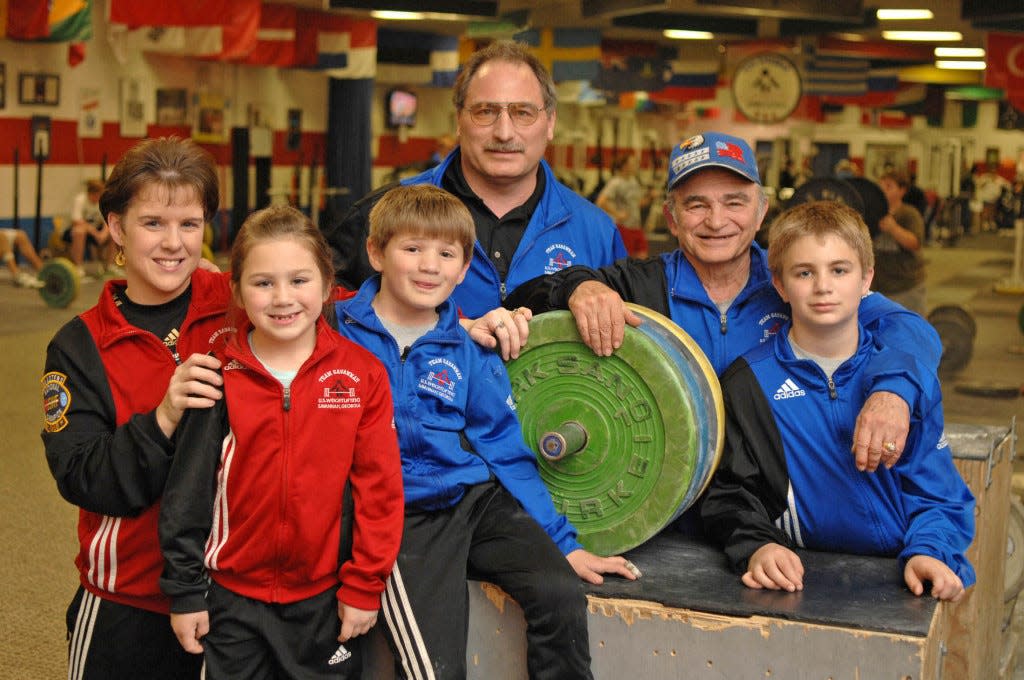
x=519, y=310
x=500, y=324
x=890, y=447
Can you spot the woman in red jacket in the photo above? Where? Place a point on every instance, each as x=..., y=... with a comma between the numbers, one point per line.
x=114, y=389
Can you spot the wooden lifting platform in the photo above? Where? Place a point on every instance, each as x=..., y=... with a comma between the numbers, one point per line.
x=691, y=617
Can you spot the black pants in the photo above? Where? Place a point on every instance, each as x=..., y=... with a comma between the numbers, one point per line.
x=111, y=641
x=486, y=536
x=253, y=640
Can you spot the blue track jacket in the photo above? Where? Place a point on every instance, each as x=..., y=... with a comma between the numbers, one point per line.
x=787, y=476
x=564, y=230
x=454, y=414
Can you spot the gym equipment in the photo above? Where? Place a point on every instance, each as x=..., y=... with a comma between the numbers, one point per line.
x=876, y=205
x=60, y=282
x=624, y=443
x=957, y=331
x=1014, y=576
x=859, y=193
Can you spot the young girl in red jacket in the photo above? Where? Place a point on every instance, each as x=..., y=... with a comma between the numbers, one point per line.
x=251, y=518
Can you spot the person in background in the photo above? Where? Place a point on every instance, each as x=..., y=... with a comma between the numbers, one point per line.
x=89, y=229
x=14, y=241
x=251, y=518
x=623, y=199
x=716, y=286
x=475, y=504
x=116, y=382
x=444, y=145
x=789, y=404
x=527, y=223
x=899, y=264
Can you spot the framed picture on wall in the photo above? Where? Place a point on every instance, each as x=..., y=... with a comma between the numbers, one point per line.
x=3, y=86
x=210, y=118
x=39, y=88
x=172, y=106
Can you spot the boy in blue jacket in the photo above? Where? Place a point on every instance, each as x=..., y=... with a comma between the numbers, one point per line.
x=475, y=505
x=785, y=480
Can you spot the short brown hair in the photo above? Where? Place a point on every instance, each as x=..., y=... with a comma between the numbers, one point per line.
x=279, y=222
x=899, y=179
x=422, y=209
x=514, y=53
x=819, y=218
x=170, y=162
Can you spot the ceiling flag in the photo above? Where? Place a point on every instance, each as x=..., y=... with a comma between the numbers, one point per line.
x=341, y=46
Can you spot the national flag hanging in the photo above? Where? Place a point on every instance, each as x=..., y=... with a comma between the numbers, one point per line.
x=417, y=58
x=567, y=53
x=275, y=37
x=1005, y=65
x=341, y=46
x=835, y=76
x=219, y=29
x=688, y=80
x=633, y=65
x=70, y=20
x=24, y=20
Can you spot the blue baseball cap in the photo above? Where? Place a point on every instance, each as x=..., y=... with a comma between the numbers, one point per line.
x=711, y=150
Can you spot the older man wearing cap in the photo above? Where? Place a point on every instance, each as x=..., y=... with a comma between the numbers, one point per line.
x=718, y=288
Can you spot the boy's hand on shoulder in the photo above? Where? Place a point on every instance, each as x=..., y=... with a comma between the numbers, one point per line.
x=190, y=628
x=504, y=329
x=590, y=567
x=774, y=567
x=946, y=585
x=354, y=621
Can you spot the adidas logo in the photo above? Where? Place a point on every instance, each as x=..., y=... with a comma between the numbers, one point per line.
x=341, y=655
x=788, y=390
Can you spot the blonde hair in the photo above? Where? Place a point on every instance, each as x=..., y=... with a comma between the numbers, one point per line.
x=422, y=209
x=819, y=218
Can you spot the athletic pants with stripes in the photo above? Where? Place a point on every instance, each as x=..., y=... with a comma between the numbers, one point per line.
x=486, y=536
x=112, y=641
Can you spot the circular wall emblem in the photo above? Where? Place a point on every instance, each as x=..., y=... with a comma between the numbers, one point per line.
x=766, y=87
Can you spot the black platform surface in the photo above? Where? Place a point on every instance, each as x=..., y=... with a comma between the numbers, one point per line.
x=853, y=591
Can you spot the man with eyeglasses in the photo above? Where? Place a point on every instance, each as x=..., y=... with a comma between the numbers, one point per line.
x=527, y=223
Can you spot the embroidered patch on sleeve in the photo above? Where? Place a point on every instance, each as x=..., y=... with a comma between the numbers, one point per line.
x=56, y=401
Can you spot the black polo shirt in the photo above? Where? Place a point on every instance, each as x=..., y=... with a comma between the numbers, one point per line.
x=499, y=237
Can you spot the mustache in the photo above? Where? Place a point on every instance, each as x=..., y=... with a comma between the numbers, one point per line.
x=510, y=147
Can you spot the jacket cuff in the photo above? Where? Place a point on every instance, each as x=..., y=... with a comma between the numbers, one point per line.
x=359, y=598
x=188, y=604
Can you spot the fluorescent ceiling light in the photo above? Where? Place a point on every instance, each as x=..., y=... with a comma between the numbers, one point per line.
x=677, y=34
x=898, y=14
x=960, y=52
x=960, y=65
x=927, y=36
x=394, y=15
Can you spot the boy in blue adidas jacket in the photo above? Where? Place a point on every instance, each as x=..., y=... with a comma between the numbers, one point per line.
x=475, y=505
x=785, y=480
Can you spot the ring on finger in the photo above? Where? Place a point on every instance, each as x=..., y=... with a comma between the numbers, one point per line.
x=890, y=447
x=500, y=324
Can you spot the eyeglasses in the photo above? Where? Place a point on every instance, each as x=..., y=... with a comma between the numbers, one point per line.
x=522, y=114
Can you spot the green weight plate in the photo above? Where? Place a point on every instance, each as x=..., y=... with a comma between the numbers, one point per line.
x=60, y=282
x=621, y=441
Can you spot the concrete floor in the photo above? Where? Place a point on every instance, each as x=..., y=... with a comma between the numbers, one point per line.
x=38, y=528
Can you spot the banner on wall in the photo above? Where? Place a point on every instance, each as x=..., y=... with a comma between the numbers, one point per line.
x=89, y=124
x=131, y=108
x=417, y=58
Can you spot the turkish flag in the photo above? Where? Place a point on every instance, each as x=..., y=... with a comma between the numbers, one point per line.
x=1005, y=65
